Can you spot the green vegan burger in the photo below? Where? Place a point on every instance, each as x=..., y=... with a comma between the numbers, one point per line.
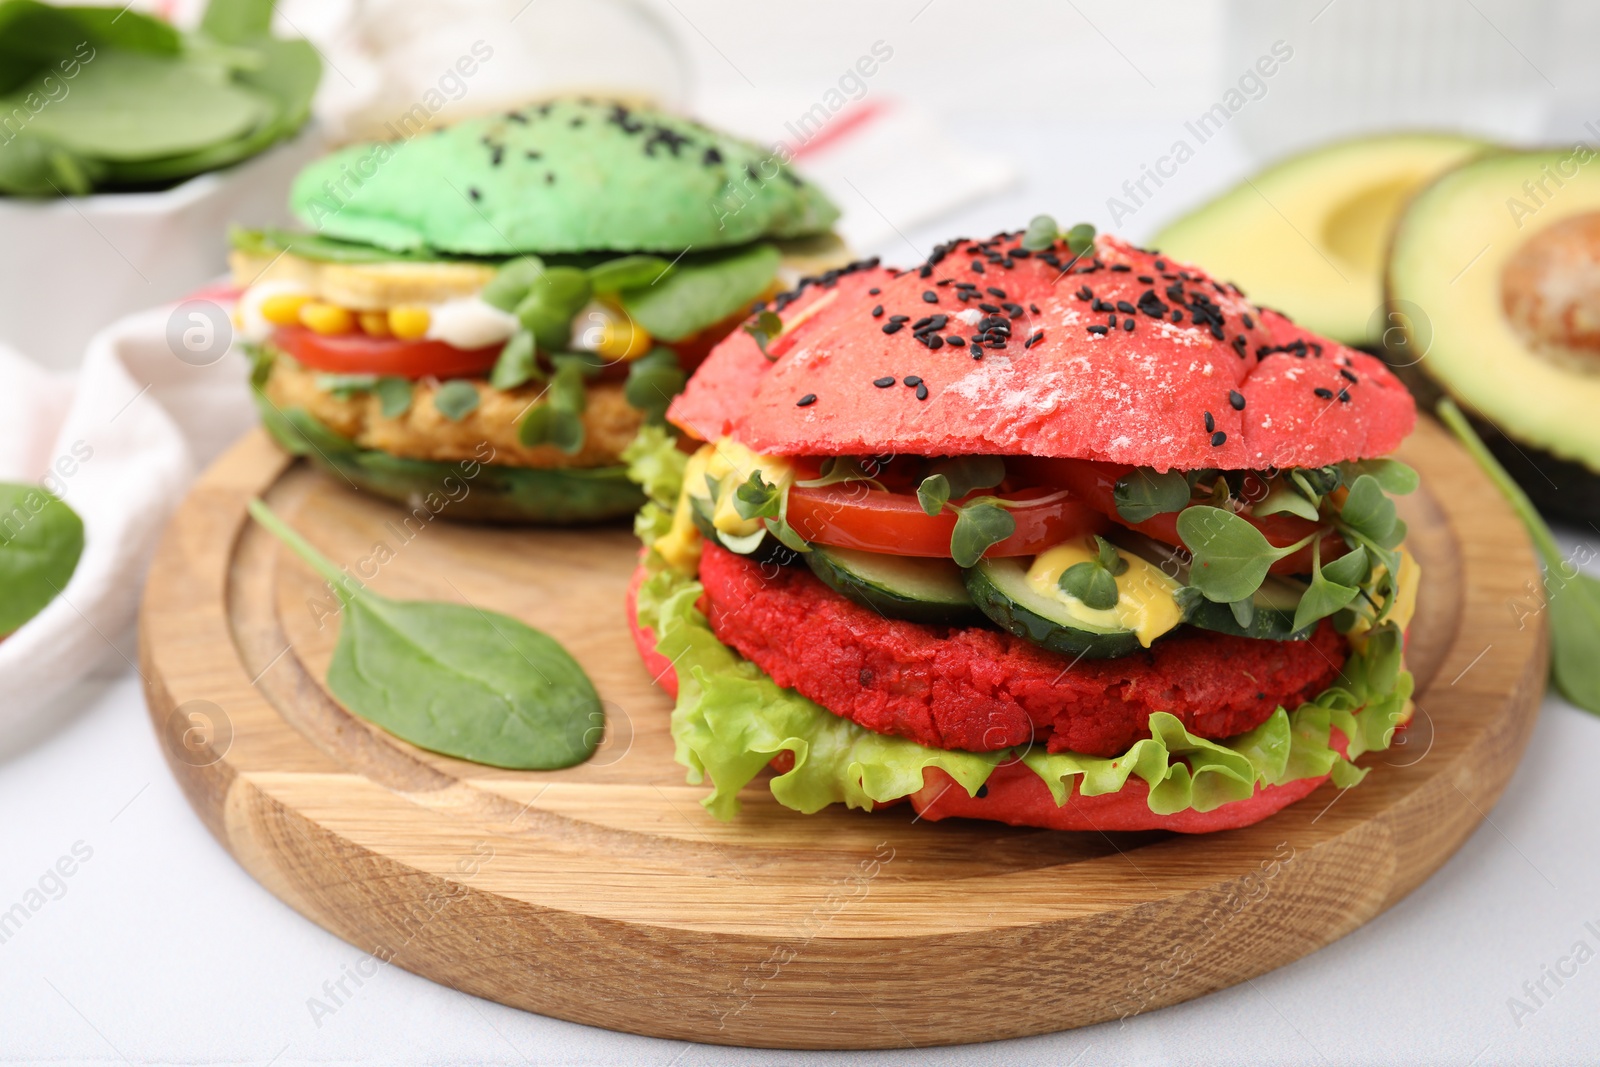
x=513, y=297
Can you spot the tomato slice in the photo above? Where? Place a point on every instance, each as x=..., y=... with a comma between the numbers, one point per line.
x=1095, y=484
x=359, y=353
x=852, y=515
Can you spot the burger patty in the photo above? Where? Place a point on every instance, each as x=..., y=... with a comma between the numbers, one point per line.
x=423, y=432
x=982, y=690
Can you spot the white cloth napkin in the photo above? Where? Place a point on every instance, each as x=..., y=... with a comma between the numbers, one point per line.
x=120, y=441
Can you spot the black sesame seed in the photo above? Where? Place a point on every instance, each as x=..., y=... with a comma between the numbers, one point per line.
x=1147, y=279
x=1097, y=329
x=976, y=350
x=497, y=156
x=1161, y=264
x=877, y=312
x=1326, y=394
x=472, y=191
x=1035, y=339
x=874, y=291
x=930, y=296
x=1127, y=324
x=983, y=791
x=1177, y=316
x=1218, y=439
x=1034, y=308
x=1249, y=323
x=1111, y=321
x=977, y=267
x=806, y=401
x=1347, y=375
x=1211, y=423
x=1344, y=396
x=1125, y=307
x=899, y=318
x=1121, y=268
x=935, y=342
x=955, y=339
x=922, y=391
x=1236, y=399
x=912, y=380
x=892, y=327
x=990, y=308
x=883, y=383
x=992, y=291
x=711, y=158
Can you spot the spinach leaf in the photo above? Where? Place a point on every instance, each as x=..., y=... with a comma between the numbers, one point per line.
x=1231, y=557
x=980, y=526
x=456, y=399
x=1144, y=493
x=41, y=540
x=702, y=291
x=452, y=678
x=1573, y=600
x=628, y=272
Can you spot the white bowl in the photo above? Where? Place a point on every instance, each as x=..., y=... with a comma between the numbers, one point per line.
x=69, y=267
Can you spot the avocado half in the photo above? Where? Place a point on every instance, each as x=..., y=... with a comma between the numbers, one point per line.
x=1493, y=289
x=468, y=491
x=1308, y=235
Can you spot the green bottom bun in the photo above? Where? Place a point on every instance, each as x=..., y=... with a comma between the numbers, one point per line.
x=467, y=491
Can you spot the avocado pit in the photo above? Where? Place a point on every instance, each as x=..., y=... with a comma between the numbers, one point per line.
x=1550, y=293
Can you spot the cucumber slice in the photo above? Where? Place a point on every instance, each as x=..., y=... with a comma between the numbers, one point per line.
x=1273, y=620
x=1000, y=589
x=917, y=589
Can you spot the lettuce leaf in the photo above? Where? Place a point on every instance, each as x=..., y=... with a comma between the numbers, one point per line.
x=731, y=719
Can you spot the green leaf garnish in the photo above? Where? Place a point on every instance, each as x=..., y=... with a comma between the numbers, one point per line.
x=702, y=291
x=839, y=469
x=1370, y=513
x=1080, y=239
x=1143, y=493
x=979, y=526
x=1095, y=581
x=456, y=399
x=1392, y=475
x=1231, y=557
x=453, y=678
x=1324, y=596
x=765, y=328
x=1285, y=497
x=511, y=283
x=558, y=418
x=516, y=365
x=394, y=396
x=1041, y=233
x=345, y=386
x=653, y=380
x=554, y=297
x=955, y=479
x=756, y=498
x=1573, y=597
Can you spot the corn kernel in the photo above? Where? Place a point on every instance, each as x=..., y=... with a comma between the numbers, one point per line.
x=409, y=322
x=284, y=308
x=327, y=318
x=375, y=323
x=623, y=338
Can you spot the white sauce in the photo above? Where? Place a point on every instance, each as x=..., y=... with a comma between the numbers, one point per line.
x=468, y=322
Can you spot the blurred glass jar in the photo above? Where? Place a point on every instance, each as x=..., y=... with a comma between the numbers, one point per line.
x=455, y=58
x=1489, y=68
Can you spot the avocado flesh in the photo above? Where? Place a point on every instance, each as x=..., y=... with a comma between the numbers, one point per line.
x=1447, y=284
x=494, y=493
x=1308, y=235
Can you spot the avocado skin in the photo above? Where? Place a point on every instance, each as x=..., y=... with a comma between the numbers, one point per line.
x=498, y=494
x=1013, y=617
x=1560, y=488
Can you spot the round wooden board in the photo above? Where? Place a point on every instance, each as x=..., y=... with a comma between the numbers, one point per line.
x=606, y=895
